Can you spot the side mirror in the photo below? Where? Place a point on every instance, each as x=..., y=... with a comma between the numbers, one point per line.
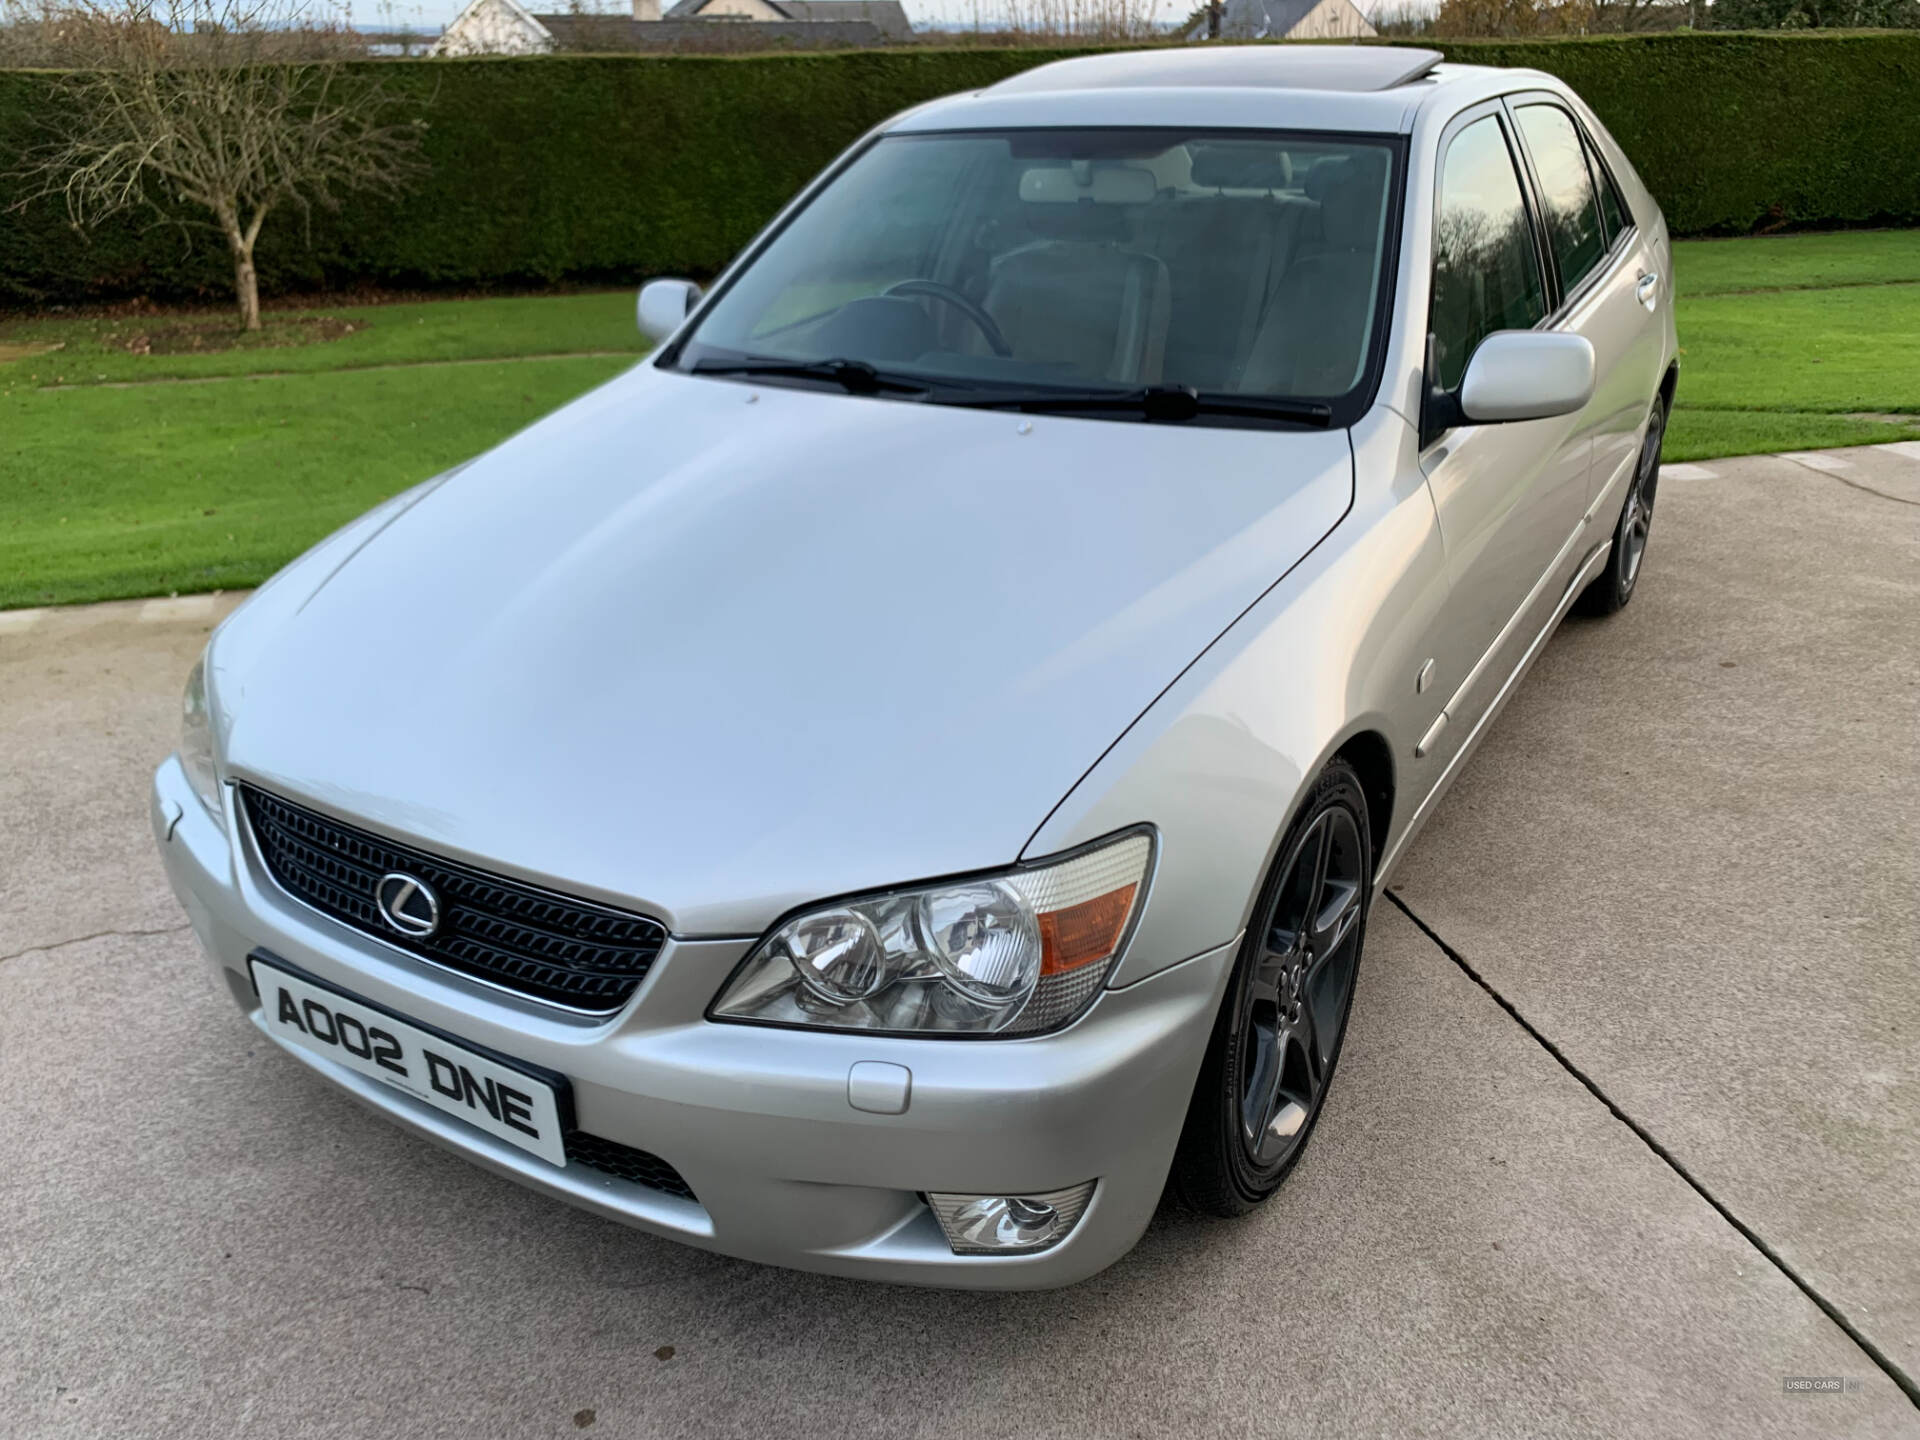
x=1526, y=375
x=663, y=305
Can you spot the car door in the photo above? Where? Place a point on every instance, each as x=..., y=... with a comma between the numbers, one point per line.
x=1508, y=496
x=1610, y=290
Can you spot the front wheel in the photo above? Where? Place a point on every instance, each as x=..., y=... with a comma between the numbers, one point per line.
x=1278, y=1036
x=1612, y=588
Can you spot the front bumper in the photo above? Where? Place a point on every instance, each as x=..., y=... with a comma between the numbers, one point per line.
x=758, y=1120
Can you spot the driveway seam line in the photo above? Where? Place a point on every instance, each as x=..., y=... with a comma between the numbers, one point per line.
x=97, y=935
x=1868, y=489
x=1873, y=1352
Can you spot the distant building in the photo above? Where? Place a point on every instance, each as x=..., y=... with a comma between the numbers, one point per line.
x=886, y=16
x=505, y=27
x=494, y=27
x=1287, y=20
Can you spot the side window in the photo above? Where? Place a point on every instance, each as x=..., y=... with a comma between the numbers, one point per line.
x=1486, y=270
x=1566, y=189
x=1611, y=206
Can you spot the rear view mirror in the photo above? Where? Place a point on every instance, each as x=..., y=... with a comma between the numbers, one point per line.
x=664, y=304
x=1526, y=375
x=1100, y=183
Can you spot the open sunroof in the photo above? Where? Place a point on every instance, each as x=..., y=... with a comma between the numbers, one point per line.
x=1352, y=68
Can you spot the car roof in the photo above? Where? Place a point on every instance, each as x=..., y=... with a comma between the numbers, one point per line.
x=1364, y=88
x=1278, y=67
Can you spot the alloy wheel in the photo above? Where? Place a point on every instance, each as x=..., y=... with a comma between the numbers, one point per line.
x=1639, y=516
x=1299, y=986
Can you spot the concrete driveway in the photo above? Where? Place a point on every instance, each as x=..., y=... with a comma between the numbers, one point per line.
x=1626, y=1133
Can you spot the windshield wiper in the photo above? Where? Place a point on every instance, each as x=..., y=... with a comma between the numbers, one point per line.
x=1150, y=402
x=856, y=377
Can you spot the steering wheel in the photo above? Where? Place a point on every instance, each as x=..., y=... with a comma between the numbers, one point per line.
x=934, y=290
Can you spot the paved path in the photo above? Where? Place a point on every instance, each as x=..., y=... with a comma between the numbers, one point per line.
x=1627, y=1129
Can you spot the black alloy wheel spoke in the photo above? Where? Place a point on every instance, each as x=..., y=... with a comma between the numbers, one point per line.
x=1298, y=990
x=1639, y=519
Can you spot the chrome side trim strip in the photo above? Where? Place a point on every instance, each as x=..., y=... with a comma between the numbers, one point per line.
x=1431, y=738
x=1595, y=562
x=1457, y=701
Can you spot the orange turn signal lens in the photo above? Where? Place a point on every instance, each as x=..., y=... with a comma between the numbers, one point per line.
x=1086, y=933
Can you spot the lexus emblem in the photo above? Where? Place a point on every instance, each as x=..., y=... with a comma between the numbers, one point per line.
x=408, y=905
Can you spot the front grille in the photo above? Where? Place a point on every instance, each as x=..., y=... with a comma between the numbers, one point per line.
x=528, y=940
x=626, y=1163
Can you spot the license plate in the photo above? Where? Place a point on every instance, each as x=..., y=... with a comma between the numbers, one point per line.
x=505, y=1101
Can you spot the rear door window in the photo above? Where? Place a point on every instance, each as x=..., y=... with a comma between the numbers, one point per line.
x=1566, y=190
x=1486, y=270
x=1612, y=208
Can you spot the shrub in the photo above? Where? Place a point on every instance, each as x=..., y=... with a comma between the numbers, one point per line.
x=1736, y=131
x=611, y=168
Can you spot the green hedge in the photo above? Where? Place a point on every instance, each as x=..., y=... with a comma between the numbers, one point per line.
x=615, y=167
x=1734, y=131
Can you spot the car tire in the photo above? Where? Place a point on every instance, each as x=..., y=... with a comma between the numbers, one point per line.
x=1278, y=1036
x=1612, y=588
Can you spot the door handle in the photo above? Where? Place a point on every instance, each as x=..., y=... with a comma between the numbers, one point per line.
x=1647, y=292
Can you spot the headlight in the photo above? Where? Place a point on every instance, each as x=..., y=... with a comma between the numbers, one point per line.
x=196, y=739
x=1009, y=954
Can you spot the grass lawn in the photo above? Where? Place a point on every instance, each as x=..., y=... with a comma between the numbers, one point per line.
x=1797, y=262
x=1788, y=342
x=94, y=349
x=1853, y=349
x=155, y=488
x=111, y=486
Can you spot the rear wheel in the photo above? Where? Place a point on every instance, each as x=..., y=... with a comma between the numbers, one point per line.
x=1278, y=1037
x=1613, y=587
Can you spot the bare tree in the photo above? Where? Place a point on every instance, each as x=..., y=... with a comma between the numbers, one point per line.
x=215, y=113
x=1536, y=18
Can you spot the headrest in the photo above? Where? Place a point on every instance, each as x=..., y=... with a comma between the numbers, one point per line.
x=1327, y=173
x=1349, y=192
x=1231, y=166
x=1086, y=223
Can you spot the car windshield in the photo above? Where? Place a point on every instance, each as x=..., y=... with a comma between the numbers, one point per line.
x=1093, y=269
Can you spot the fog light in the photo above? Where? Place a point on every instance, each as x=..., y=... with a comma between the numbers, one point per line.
x=1009, y=1224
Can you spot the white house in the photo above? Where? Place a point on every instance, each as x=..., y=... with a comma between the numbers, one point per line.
x=494, y=27
x=1288, y=20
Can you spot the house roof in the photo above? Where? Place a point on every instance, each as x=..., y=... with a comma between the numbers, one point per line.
x=885, y=15
x=889, y=15
x=1257, y=19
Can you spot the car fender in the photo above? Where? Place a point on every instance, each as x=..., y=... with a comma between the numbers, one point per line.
x=1221, y=759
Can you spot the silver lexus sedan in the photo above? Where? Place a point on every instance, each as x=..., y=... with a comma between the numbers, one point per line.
x=895, y=782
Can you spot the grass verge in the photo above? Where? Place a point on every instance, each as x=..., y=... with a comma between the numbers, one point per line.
x=1791, y=342
x=90, y=350
x=1713, y=434
x=111, y=488
x=1796, y=262
x=143, y=491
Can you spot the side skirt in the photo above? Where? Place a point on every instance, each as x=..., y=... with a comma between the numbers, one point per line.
x=1595, y=562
